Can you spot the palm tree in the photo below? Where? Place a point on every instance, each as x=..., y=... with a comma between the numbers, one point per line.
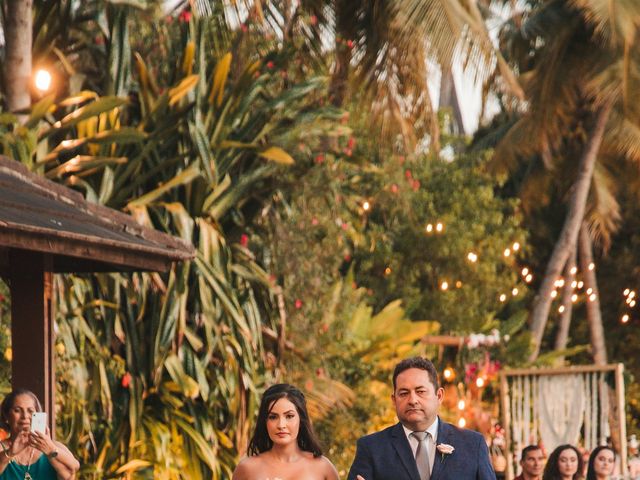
x=16, y=26
x=572, y=57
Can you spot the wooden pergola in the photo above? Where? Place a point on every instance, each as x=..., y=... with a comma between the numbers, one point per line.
x=46, y=228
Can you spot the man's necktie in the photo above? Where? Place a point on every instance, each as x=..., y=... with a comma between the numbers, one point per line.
x=422, y=455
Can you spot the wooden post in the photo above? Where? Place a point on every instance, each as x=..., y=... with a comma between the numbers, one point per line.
x=622, y=421
x=506, y=424
x=32, y=336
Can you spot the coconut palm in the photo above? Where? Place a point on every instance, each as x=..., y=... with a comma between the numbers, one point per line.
x=578, y=63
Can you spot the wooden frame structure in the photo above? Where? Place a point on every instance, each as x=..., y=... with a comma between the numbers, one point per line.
x=616, y=369
x=46, y=228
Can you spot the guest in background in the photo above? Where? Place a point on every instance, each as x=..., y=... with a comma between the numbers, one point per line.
x=565, y=463
x=601, y=463
x=532, y=463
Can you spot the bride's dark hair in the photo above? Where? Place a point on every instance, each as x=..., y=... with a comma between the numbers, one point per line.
x=261, y=442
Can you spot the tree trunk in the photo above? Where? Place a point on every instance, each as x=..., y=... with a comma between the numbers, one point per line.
x=594, y=316
x=569, y=234
x=17, y=64
x=340, y=75
x=562, y=336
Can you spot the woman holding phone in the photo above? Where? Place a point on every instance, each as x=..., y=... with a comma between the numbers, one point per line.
x=29, y=454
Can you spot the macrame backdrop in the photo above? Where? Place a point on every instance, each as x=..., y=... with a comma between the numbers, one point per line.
x=559, y=409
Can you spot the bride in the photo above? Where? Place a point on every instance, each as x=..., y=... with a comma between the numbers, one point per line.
x=284, y=446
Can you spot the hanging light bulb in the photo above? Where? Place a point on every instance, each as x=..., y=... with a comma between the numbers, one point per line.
x=592, y=297
x=554, y=294
x=444, y=285
x=574, y=298
x=528, y=278
x=580, y=284
x=503, y=297
x=461, y=404
x=514, y=292
x=626, y=292
x=472, y=257
x=592, y=266
x=42, y=80
x=462, y=422
x=515, y=246
x=574, y=270
x=429, y=228
x=506, y=252
x=561, y=309
x=625, y=318
x=366, y=206
x=439, y=227
x=525, y=271
x=448, y=374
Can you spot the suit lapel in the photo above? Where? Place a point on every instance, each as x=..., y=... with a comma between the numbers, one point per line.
x=439, y=463
x=403, y=449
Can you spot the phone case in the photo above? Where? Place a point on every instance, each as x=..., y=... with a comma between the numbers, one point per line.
x=38, y=422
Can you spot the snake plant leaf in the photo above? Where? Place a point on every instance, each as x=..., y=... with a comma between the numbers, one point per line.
x=220, y=76
x=277, y=155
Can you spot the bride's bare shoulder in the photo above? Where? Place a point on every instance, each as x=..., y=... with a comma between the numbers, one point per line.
x=327, y=468
x=248, y=468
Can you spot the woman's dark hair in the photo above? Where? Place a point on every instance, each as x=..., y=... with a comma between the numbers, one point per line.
x=551, y=470
x=261, y=442
x=591, y=473
x=10, y=400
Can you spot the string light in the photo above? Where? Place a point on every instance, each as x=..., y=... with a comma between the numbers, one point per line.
x=632, y=294
x=444, y=285
x=516, y=246
x=479, y=382
x=528, y=278
x=472, y=257
x=503, y=297
x=554, y=294
x=461, y=404
x=366, y=206
x=525, y=271
x=574, y=298
x=632, y=304
x=429, y=228
x=574, y=270
x=448, y=373
x=42, y=80
x=574, y=284
x=559, y=282
x=462, y=423
x=439, y=227
x=592, y=297
x=625, y=318
x=589, y=290
x=507, y=252
x=514, y=292
x=580, y=284
x=458, y=284
x=626, y=292
x=387, y=271
x=592, y=266
x=561, y=308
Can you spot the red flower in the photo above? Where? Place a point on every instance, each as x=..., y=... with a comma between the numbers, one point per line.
x=407, y=174
x=351, y=143
x=314, y=221
x=394, y=188
x=298, y=303
x=348, y=152
x=244, y=27
x=99, y=40
x=345, y=226
x=415, y=185
x=313, y=20
x=270, y=64
x=244, y=240
x=185, y=16
x=347, y=257
x=350, y=43
x=319, y=158
x=1, y=298
x=126, y=380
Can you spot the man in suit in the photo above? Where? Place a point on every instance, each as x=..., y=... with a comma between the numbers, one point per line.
x=532, y=463
x=421, y=446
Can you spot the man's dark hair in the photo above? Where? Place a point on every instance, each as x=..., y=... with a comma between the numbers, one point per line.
x=416, y=362
x=527, y=449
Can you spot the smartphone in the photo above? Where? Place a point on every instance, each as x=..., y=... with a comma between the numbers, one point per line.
x=38, y=422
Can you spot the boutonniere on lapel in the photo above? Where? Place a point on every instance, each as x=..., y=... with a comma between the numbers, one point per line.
x=444, y=449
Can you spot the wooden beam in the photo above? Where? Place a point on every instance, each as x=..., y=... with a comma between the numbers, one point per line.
x=519, y=372
x=506, y=424
x=622, y=419
x=444, y=340
x=32, y=336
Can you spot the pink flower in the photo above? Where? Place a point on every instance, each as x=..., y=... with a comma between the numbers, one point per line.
x=394, y=188
x=313, y=20
x=244, y=240
x=298, y=303
x=444, y=449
